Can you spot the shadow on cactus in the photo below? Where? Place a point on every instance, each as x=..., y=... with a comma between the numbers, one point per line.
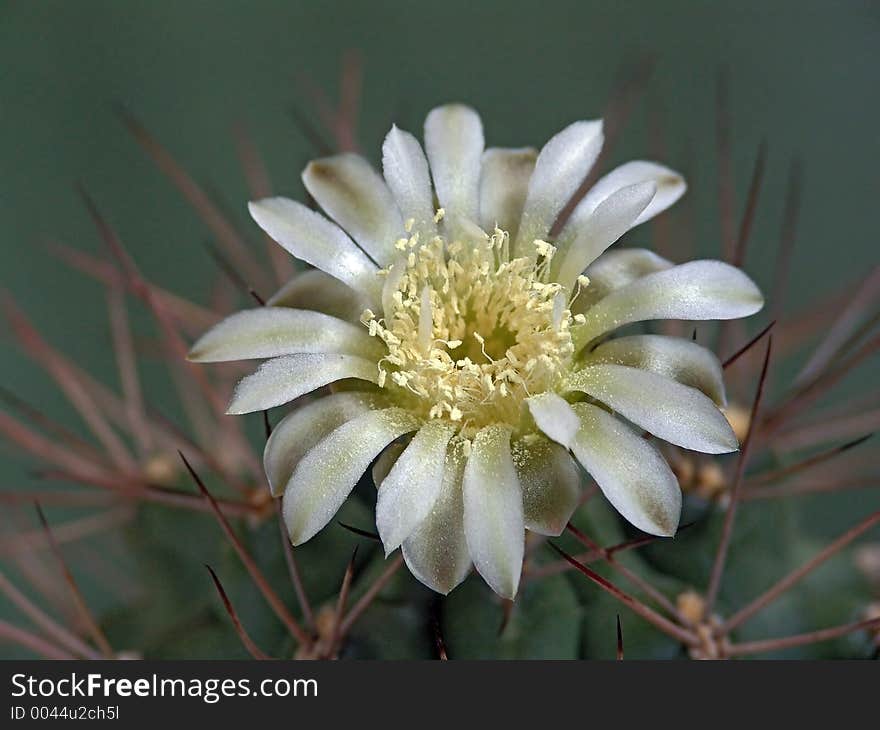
x=490, y=390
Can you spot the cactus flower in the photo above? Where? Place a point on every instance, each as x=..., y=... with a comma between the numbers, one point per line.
x=469, y=347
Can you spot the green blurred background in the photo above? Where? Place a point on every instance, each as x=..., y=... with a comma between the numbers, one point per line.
x=803, y=76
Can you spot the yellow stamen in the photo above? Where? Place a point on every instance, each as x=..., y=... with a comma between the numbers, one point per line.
x=509, y=326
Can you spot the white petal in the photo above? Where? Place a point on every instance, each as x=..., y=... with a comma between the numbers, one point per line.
x=456, y=227
x=670, y=187
x=312, y=238
x=554, y=417
x=612, y=218
x=326, y=475
x=504, y=183
x=493, y=511
x=674, y=412
x=273, y=331
x=406, y=172
x=436, y=552
x=561, y=167
x=300, y=430
x=614, y=269
x=285, y=378
x=385, y=462
x=697, y=290
x=454, y=143
x=320, y=292
x=408, y=493
x=631, y=473
x=550, y=484
x=352, y=193
x=672, y=357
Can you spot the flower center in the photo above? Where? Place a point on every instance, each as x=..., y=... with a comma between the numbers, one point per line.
x=470, y=332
